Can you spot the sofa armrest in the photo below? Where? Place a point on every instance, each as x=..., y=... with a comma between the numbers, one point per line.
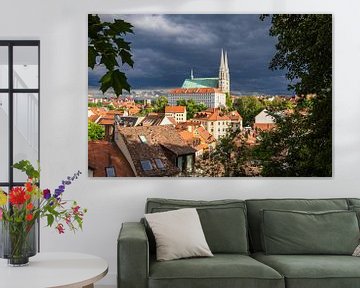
x=133, y=256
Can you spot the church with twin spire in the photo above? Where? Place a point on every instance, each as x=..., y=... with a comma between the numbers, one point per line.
x=210, y=91
x=222, y=82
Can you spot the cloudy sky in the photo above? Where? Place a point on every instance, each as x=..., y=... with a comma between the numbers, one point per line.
x=166, y=47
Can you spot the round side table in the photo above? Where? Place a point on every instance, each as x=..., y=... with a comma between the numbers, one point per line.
x=50, y=270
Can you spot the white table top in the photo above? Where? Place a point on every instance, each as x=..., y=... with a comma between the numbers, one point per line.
x=45, y=270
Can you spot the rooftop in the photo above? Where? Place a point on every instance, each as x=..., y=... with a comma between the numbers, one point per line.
x=201, y=83
x=175, y=109
x=102, y=154
x=194, y=90
x=148, y=143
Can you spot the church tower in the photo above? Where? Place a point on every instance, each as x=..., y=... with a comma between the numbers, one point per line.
x=224, y=74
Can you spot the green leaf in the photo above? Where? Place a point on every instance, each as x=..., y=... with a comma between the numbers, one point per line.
x=119, y=82
x=122, y=44
x=106, y=81
x=91, y=57
x=109, y=60
x=50, y=219
x=26, y=167
x=120, y=26
x=126, y=57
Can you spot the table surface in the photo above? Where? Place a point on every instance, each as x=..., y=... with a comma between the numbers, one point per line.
x=67, y=270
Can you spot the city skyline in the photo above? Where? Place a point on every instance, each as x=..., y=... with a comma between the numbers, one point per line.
x=166, y=47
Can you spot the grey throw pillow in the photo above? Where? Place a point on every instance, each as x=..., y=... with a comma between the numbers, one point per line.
x=178, y=234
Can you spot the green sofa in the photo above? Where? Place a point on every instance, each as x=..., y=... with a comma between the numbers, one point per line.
x=234, y=230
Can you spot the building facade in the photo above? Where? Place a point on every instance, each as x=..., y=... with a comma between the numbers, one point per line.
x=264, y=121
x=176, y=112
x=210, y=91
x=211, y=97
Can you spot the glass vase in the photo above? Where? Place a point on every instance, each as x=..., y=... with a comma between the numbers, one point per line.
x=18, y=242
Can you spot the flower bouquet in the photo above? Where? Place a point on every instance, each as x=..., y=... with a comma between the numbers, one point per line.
x=21, y=208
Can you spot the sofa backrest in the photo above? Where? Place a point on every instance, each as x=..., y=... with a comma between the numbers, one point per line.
x=223, y=221
x=256, y=205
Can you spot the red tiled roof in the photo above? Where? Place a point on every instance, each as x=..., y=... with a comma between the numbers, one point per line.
x=94, y=118
x=264, y=126
x=159, y=141
x=172, y=120
x=234, y=115
x=103, y=154
x=106, y=121
x=175, y=109
x=205, y=135
x=194, y=90
x=217, y=117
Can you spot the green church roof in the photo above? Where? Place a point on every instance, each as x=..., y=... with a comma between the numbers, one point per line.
x=201, y=83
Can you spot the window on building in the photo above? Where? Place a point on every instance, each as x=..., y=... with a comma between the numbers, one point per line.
x=110, y=171
x=19, y=108
x=180, y=163
x=146, y=165
x=159, y=164
x=189, y=163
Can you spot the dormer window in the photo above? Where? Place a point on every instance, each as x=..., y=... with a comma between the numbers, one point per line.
x=110, y=171
x=159, y=164
x=146, y=165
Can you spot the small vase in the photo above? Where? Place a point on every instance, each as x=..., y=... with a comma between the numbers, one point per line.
x=18, y=242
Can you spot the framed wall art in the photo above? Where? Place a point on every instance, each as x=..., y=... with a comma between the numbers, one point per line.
x=210, y=95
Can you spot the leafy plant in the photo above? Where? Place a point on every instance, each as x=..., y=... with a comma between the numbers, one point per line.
x=30, y=202
x=95, y=131
x=301, y=144
x=106, y=45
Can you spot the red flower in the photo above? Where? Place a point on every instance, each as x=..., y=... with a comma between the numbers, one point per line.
x=29, y=206
x=17, y=196
x=60, y=228
x=29, y=186
x=75, y=209
x=27, y=196
x=29, y=217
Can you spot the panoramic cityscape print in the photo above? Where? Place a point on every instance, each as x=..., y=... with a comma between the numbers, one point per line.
x=210, y=95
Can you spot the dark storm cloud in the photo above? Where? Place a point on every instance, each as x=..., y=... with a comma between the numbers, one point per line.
x=166, y=47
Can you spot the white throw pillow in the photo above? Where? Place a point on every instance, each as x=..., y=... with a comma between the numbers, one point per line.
x=357, y=251
x=178, y=234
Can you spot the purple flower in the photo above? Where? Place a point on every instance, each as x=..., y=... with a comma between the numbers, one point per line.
x=46, y=194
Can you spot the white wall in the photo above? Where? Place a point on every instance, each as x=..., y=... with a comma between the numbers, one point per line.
x=62, y=28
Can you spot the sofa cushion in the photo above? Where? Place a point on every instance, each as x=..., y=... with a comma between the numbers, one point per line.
x=313, y=271
x=223, y=221
x=254, y=217
x=356, y=209
x=178, y=234
x=222, y=270
x=297, y=232
x=353, y=201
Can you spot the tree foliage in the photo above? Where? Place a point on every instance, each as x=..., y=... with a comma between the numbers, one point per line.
x=160, y=103
x=191, y=107
x=229, y=102
x=301, y=145
x=98, y=104
x=95, y=131
x=248, y=107
x=106, y=46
